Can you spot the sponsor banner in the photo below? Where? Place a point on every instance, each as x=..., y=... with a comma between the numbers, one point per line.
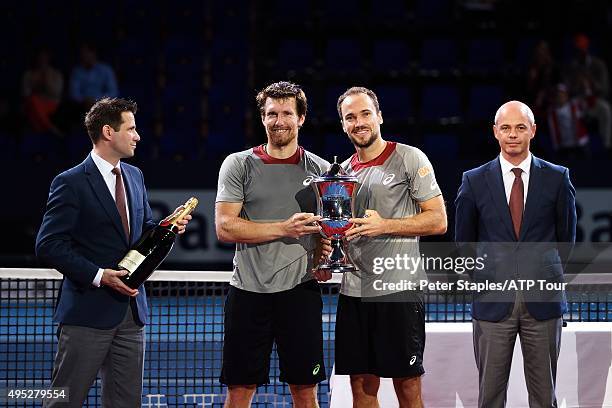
x=594, y=208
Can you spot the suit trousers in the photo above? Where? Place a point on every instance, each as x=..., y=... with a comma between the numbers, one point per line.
x=494, y=347
x=117, y=353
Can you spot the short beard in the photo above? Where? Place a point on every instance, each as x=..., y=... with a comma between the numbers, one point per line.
x=369, y=142
x=281, y=141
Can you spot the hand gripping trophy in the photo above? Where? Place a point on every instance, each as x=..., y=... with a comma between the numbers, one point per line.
x=335, y=203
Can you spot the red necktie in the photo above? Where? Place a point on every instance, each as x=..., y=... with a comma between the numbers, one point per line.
x=517, y=195
x=120, y=201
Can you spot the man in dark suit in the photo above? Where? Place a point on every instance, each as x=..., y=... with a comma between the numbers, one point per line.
x=95, y=212
x=521, y=212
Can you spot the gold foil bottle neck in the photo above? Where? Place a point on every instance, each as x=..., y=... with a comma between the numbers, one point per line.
x=181, y=213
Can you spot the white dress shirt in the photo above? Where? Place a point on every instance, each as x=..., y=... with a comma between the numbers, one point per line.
x=508, y=175
x=106, y=169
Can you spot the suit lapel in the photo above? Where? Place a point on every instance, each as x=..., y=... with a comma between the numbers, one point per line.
x=498, y=194
x=533, y=195
x=104, y=196
x=130, y=190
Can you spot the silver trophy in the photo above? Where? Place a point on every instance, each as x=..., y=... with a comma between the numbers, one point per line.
x=335, y=204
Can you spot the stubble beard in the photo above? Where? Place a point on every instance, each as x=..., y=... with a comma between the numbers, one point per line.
x=281, y=140
x=364, y=145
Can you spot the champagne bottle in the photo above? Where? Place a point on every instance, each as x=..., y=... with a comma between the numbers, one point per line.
x=153, y=247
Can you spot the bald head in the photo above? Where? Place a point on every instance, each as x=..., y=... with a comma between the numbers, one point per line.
x=514, y=128
x=515, y=106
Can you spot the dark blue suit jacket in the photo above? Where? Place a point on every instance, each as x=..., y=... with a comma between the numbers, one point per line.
x=81, y=231
x=547, y=231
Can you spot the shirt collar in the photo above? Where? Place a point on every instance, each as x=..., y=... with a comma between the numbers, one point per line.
x=506, y=166
x=102, y=165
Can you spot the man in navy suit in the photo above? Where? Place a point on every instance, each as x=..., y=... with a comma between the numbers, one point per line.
x=95, y=212
x=521, y=212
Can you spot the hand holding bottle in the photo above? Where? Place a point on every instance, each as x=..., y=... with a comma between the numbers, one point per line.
x=182, y=223
x=112, y=279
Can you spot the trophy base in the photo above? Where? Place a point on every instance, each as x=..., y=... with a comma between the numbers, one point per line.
x=338, y=268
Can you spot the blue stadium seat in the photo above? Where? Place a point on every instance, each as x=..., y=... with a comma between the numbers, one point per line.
x=440, y=102
x=143, y=19
x=227, y=94
x=543, y=142
x=229, y=71
x=226, y=117
x=524, y=51
x=234, y=48
x=178, y=46
x=390, y=10
x=181, y=107
x=337, y=144
x=8, y=145
x=309, y=141
x=138, y=74
x=145, y=95
x=79, y=143
x=231, y=20
x=441, y=146
x=439, y=54
x=179, y=143
x=433, y=11
x=390, y=55
x=90, y=16
x=343, y=55
x=282, y=12
x=220, y=144
x=44, y=31
x=295, y=54
x=178, y=93
x=137, y=60
x=485, y=55
x=341, y=9
x=188, y=68
x=142, y=44
x=483, y=101
x=395, y=102
x=41, y=145
x=331, y=98
x=185, y=18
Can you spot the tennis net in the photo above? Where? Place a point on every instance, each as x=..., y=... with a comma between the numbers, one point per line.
x=185, y=337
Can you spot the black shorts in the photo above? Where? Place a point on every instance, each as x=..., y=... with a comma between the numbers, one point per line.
x=292, y=319
x=386, y=339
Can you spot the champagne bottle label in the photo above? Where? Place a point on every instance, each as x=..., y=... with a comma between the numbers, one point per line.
x=131, y=261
